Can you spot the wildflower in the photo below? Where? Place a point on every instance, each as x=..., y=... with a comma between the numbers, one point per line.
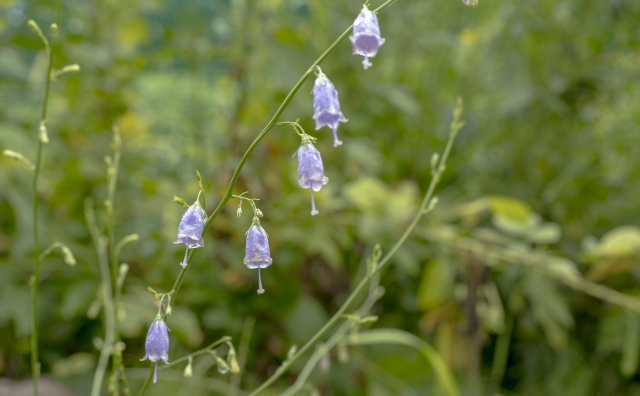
x=366, y=36
x=257, y=254
x=326, y=107
x=190, y=229
x=157, y=345
x=311, y=170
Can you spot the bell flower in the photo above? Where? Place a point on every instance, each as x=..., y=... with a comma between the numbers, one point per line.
x=326, y=107
x=311, y=170
x=157, y=345
x=190, y=229
x=366, y=36
x=257, y=254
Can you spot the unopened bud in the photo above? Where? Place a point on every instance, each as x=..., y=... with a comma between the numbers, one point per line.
x=188, y=371
x=292, y=351
x=16, y=156
x=68, y=256
x=34, y=26
x=223, y=367
x=239, y=212
x=180, y=201
x=259, y=213
x=42, y=133
x=54, y=29
x=432, y=204
x=124, y=267
x=434, y=161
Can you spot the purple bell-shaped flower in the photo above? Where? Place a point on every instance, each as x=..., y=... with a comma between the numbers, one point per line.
x=257, y=253
x=311, y=170
x=157, y=345
x=366, y=36
x=326, y=107
x=190, y=229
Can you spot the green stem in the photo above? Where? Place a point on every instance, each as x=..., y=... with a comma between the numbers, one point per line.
x=112, y=175
x=285, y=103
x=35, y=363
x=103, y=262
x=422, y=210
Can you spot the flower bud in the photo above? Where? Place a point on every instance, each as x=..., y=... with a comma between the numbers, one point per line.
x=157, y=345
x=42, y=133
x=188, y=371
x=326, y=107
x=366, y=36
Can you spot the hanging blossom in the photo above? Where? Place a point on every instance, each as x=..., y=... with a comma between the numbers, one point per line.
x=257, y=253
x=326, y=107
x=310, y=169
x=366, y=36
x=190, y=229
x=157, y=345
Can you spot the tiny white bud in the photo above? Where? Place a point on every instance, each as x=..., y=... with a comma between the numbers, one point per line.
x=42, y=133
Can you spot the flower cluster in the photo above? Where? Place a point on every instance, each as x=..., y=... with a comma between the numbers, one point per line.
x=326, y=112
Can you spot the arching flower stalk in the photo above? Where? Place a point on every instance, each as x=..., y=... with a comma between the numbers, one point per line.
x=366, y=36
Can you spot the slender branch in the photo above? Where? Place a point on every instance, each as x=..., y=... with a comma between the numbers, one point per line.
x=107, y=349
x=198, y=352
x=424, y=208
x=234, y=178
x=35, y=280
x=256, y=141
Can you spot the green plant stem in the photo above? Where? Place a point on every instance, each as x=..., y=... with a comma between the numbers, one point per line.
x=258, y=139
x=35, y=280
x=285, y=103
x=112, y=174
x=196, y=353
x=107, y=349
x=422, y=210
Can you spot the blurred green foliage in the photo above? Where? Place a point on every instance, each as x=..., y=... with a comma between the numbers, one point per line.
x=546, y=164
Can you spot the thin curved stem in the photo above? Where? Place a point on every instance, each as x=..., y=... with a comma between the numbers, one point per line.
x=424, y=208
x=258, y=139
x=35, y=363
x=234, y=178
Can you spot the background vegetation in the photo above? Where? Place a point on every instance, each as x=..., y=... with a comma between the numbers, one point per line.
x=538, y=207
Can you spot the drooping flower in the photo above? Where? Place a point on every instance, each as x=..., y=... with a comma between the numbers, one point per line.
x=190, y=229
x=326, y=107
x=257, y=253
x=366, y=36
x=157, y=345
x=311, y=170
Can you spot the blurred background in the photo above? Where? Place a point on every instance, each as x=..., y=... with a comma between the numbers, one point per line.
x=514, y=279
